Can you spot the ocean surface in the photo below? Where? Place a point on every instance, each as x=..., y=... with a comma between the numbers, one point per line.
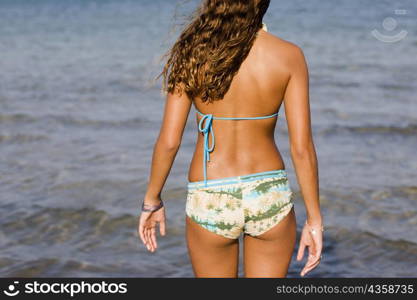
x=80, y=111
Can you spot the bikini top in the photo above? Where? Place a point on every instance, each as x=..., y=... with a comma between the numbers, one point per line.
x=205, y=127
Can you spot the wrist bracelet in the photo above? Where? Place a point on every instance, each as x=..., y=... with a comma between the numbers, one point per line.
x=313, y=230
x=151, y=208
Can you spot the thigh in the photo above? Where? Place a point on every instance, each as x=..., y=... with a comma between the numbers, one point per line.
x=269, y=254
x=211, y=255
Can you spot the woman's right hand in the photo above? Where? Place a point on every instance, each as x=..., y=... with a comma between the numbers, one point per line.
x=147, y=226
x=311, y=237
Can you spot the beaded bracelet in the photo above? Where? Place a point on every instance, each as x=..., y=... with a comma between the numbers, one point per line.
x=151, y=208
x=313, y=230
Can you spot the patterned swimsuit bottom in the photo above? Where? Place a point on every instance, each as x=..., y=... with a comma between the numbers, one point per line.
x=251, y=203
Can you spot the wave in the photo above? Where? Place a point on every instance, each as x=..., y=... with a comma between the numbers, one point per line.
x=21, y=138
x=396, y=87
x=341, y=84
x=410, y=129
x=18, y=119
x=67, y=240
x=59, y=225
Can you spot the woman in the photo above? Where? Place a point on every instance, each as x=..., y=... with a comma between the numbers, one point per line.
x=236, y=75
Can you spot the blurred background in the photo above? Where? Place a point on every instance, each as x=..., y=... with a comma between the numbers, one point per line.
x=79, y=113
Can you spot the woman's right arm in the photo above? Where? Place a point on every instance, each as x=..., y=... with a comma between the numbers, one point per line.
x=303, y=154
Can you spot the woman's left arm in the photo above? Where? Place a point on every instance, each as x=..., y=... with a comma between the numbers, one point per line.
x=177, y=108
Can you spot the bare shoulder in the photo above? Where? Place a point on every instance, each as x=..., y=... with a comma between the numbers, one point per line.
x=285, y=53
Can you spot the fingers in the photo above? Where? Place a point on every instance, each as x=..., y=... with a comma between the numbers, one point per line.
x=141, y=234
x=153, y=238
x=150, y=244
x=308, y=269
x=162, y=227
x=144, y=235
x=141, y=231
x=147, y=231
x=314, y=258
x=147, y=244
x=301, y=249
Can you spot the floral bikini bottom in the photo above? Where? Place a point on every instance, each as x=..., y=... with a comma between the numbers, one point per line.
x=251, y=203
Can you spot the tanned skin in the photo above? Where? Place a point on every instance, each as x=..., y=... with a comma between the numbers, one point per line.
x=275, y=72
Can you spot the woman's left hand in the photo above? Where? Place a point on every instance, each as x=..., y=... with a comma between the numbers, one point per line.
x=147, y=226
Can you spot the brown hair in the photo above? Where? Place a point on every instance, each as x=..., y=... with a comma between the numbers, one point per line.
x=210, y=50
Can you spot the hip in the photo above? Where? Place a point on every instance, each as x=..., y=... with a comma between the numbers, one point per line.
x=249, y=203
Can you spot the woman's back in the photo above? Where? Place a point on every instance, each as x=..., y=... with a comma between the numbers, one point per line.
x=257, y=89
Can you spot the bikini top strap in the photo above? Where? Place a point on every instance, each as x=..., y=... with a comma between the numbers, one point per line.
x=238, y=118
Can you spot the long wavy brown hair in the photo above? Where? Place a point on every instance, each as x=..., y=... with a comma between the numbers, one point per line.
x=211, y=48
